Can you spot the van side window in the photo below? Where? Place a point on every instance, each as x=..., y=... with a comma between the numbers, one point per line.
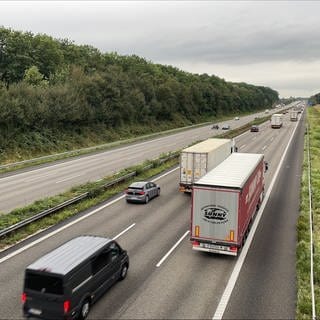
x=100, y=261
x=115, y=251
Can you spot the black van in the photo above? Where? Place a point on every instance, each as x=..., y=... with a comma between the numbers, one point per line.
x=64, y=283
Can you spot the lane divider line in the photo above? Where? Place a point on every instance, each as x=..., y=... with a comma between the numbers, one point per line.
x=237, y=268
x=66, y=179
x=171, y=250
x=124, y=231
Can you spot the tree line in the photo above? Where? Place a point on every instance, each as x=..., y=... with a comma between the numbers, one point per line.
x=56, y=85
x=315, y=99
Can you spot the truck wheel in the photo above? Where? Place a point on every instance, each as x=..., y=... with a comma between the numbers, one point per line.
x=84, y=310
x=123, y=272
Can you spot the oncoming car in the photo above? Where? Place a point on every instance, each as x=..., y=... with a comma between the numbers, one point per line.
x=254, y=128
x=142, y=191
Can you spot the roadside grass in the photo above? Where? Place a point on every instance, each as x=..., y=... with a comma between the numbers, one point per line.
x=304, y=304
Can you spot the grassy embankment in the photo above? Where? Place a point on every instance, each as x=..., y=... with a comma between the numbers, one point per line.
x=304, y=307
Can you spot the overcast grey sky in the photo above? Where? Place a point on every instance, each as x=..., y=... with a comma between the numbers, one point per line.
x=269, y=43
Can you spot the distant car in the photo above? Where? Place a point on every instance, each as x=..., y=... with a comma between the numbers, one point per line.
x=142, y=191
x=225, y=127
x=254, y=128
x=236, y=118
x=215, y=126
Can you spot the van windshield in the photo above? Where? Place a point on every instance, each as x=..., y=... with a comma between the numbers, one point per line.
x=44, y=283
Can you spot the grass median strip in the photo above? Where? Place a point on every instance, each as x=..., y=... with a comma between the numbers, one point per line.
x=304, y=306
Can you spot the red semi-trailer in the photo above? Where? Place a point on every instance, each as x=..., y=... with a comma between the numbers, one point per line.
x=224, y=203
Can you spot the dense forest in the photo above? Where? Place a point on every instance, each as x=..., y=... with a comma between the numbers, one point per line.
x=56, y=95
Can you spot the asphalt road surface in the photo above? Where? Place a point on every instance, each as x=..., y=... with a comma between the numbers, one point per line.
x=185, y=284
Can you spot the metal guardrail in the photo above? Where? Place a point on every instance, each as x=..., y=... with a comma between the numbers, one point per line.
x=42, y=214
x=76, y=199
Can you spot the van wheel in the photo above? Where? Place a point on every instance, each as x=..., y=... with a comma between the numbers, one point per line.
x=124, y=271
x=84, y=311
x=147, y=199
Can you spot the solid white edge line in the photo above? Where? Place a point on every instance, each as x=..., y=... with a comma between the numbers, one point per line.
x=89, y=214
x=170, y=251
x=237, y=268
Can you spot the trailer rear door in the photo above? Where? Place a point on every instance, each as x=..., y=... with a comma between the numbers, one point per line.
x=215, y=214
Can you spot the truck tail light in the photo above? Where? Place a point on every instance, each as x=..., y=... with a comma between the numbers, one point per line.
x=233, y=249
x=23, y=297
x=197, y=231
x=66, y=306
x=196, y=243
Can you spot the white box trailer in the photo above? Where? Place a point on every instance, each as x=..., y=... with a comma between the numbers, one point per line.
x=276, y=120
x=197, y=160
x=293, y=115
x=224, y=203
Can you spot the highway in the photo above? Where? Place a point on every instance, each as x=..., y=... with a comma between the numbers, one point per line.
x=184, y=284
x=24, y=187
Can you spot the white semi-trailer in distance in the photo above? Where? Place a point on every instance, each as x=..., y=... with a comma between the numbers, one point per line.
x=293, y=115
x=197, y=160
x=276, y=120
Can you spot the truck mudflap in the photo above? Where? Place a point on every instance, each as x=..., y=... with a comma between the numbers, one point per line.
x=215, y=248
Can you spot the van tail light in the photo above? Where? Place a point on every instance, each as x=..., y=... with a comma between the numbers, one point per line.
x=66, y=306
x=23, y=297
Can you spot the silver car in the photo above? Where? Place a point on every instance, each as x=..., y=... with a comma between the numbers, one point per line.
x=142, y=191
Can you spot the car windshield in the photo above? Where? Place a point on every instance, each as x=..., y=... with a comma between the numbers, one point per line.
x=44, y=283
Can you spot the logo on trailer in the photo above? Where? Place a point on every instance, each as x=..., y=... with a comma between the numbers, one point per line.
x=215, y=214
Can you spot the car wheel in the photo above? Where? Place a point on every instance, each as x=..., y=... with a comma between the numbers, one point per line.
x=84, y=311
x=158, y=194
x=147, y=199
x=124, y=271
